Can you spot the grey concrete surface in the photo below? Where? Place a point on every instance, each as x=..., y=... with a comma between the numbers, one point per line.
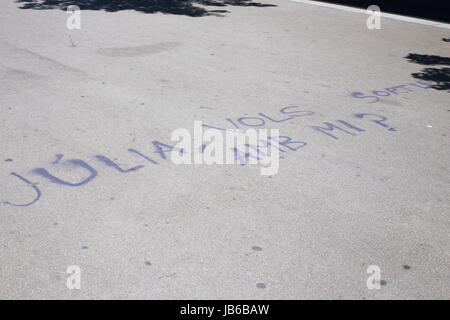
x=127, y=78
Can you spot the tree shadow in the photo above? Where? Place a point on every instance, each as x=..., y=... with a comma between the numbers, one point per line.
x=192, y=8
x=440, y=76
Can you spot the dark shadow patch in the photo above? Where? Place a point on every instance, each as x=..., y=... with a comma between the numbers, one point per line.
x=192, y=8
x=439, y=76
x=429, y=60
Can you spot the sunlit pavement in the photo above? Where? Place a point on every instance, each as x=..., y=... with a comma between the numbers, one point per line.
x=364, y=171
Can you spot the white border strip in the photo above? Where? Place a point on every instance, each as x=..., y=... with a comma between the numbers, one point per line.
x=386, y=15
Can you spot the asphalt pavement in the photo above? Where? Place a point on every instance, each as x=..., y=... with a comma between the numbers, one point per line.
x=86, y=117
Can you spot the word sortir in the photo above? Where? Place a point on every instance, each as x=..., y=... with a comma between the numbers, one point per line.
x=374, y=95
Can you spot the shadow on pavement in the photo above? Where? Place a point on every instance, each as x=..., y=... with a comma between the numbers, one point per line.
x=192, y=8
x=441, y=76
